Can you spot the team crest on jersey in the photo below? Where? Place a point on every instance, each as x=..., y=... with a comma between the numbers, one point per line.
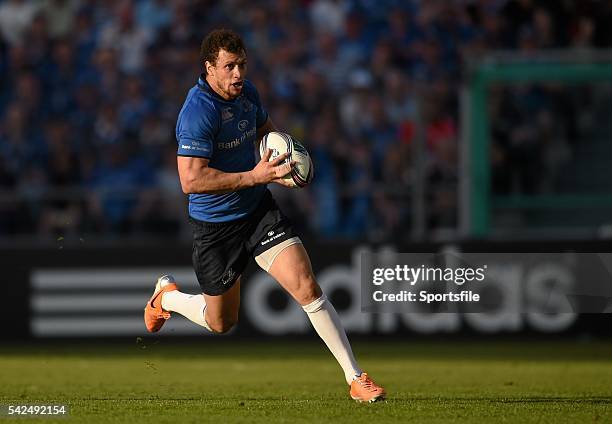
x=242, y=125
x=227, y=114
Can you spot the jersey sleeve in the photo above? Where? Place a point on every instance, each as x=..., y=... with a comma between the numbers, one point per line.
x=261, y=116
x=195, y=131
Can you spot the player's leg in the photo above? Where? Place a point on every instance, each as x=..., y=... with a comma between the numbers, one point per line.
x=221, y=313
x=219, y=259
x=218, y=314
x=291, y=267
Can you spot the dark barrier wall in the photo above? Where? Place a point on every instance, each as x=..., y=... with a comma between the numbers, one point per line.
x=85, y=291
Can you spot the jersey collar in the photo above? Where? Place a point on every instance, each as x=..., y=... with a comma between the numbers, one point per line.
x=205, y=87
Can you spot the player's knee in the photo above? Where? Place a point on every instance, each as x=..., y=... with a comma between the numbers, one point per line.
x=308, y=290
x=222, y=325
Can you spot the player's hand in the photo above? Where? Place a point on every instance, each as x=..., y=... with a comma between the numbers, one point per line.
x=284, y=182
x=267, y=171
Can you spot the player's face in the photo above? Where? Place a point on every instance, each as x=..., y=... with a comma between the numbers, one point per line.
x=226, y=76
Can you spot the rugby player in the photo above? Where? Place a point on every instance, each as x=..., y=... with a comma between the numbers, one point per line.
x=233, y=214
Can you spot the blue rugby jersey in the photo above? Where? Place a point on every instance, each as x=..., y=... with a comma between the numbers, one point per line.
x=224, y=132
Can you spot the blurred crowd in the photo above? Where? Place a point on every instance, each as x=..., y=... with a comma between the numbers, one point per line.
x=90, y=91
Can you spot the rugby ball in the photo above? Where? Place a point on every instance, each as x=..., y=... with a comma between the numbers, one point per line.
x=303, y=171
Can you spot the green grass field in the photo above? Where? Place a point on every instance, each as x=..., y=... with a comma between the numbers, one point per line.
x=219, y=380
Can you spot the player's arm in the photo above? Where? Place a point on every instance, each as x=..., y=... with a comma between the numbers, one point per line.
x=266, y=128
x=198, y=178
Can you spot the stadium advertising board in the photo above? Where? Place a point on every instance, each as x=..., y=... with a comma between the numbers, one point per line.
x=97, y=292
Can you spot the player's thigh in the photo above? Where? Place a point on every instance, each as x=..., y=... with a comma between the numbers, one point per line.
x=223, y=309
x=292, y=269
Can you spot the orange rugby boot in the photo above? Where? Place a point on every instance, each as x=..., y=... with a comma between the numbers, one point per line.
x=363, y=389
x=154, y=315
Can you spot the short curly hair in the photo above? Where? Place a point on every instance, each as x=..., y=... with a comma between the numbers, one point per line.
x=218, y=39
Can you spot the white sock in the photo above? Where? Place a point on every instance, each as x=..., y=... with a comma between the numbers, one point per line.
x=191, y=306
x=326, y=322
